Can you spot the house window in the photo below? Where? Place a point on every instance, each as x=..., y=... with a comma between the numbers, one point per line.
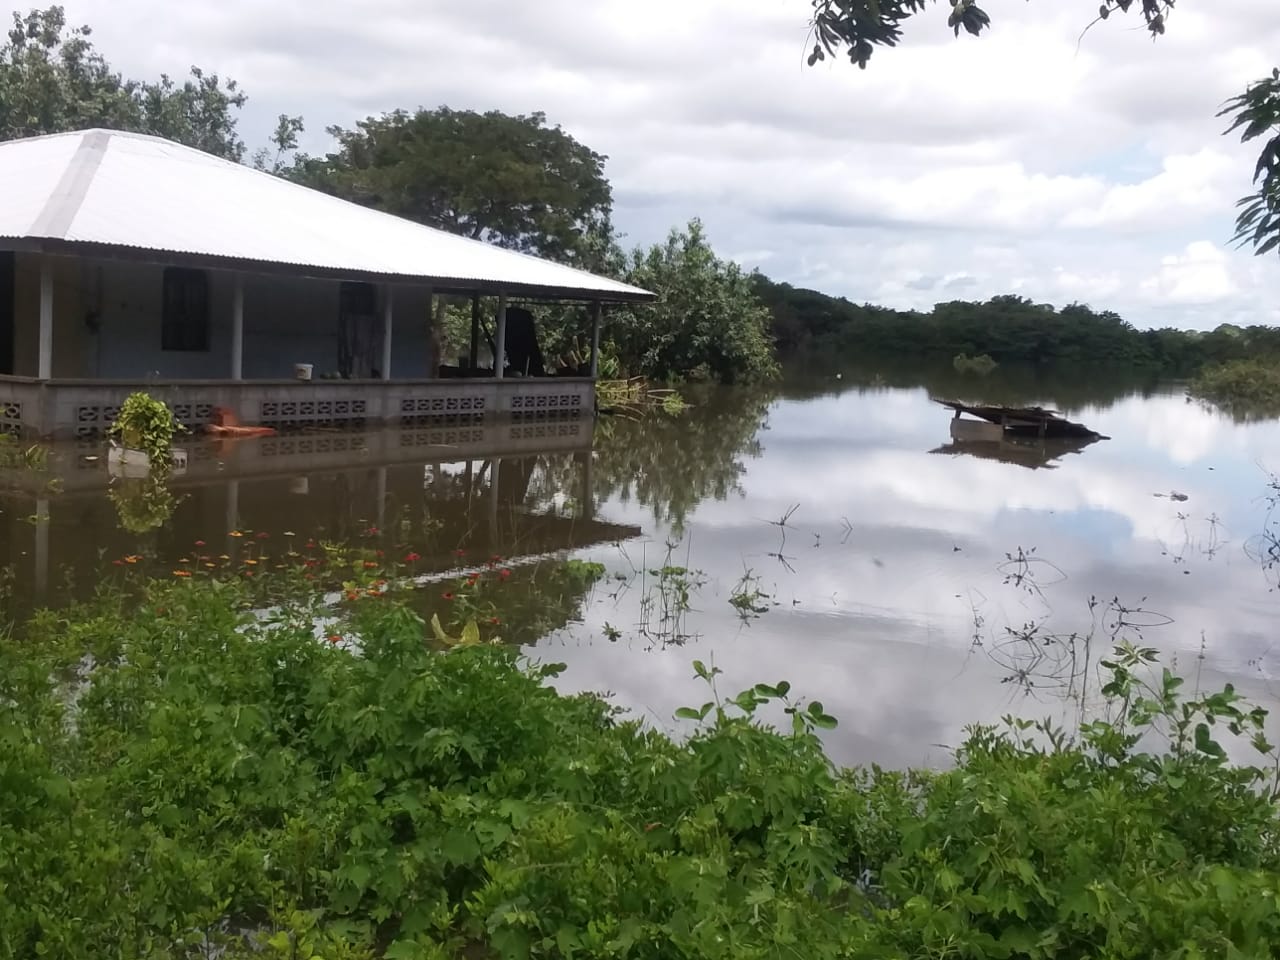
x=185, y=322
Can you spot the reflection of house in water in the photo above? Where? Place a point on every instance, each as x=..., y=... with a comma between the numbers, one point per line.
x=506, y=489
x=1034, y=452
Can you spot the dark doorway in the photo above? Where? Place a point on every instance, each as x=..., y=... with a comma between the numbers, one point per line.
x=357, y=314
x=8, y=310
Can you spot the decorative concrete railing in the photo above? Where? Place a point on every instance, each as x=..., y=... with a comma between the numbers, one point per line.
x=86, y=408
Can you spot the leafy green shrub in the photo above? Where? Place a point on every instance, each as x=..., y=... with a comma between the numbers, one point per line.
x=145, y=423
x=179, y=778
x=982, y=364
x=1243, y=386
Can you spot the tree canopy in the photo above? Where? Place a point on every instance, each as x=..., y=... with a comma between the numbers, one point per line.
x=53, y=80
x=857, y=27
x=1010, y=329
x=708, y=323
x=511, y=180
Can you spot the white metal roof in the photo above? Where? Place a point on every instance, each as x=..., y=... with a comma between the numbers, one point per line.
x=127, y=194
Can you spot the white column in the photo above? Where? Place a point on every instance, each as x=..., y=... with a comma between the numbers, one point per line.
x=237, y=328
x=595, y=339
x=46, y=318
x=433, y=359
x=500, y=344
x=386, y=332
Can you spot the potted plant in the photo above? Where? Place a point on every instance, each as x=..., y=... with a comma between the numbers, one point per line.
x=142, y=438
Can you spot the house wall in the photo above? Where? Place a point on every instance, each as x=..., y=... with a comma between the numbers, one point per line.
x=71, y=341
x=286, y=321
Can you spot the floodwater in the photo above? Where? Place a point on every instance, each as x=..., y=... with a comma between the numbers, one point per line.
x=829, y=534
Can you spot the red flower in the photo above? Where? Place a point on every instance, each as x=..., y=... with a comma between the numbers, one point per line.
x=352, y=595
x=504, y=574
x=118, y=563
x=310, y=544
x=380, y=554
x=411, y=558
x=334, y=638
x=370, y=565
x=473, y=580
x=263, y=535
x=495, y=559
x=199, y=543
x=495, y=621
x=448, y=595
x=371, y=532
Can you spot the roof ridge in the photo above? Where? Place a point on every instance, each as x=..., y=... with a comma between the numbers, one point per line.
x=60, y=210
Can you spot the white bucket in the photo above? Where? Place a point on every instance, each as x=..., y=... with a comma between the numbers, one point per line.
x=302, y=371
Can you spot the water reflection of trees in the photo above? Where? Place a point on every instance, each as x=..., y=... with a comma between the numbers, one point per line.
x=1065, y=387
x=671, y=464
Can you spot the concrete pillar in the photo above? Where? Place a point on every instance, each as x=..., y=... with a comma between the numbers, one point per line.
x=500, y=344
x=46, y=319
x=387, y=315
x=433, y=338
x=474, y=355
x=596, y=311
x=237, y=328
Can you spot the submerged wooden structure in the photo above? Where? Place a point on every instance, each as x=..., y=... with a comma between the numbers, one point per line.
x=1007, y=421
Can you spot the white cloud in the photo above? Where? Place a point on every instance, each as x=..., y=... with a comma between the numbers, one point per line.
x=1199, y=275
x=1025, y=160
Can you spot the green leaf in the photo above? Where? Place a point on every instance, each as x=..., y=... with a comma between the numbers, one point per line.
x=688, y=713
x=1206, y=744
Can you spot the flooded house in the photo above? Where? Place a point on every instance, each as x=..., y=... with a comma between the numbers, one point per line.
x=130, y=262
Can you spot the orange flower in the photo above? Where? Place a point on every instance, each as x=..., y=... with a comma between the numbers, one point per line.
x=251, y=563
x=352, y=595
x=235, y=533
x=182, y=573
x=133, y=559
x=334, y=638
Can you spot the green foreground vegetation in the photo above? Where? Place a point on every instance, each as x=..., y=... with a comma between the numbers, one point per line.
x=181, y=778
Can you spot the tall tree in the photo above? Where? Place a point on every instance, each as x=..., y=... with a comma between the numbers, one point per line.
x=857, y=27
x=510, y=180
x=53, y=80
x=708, y=323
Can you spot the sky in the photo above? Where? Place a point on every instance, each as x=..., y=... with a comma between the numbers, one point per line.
x=1031, y=160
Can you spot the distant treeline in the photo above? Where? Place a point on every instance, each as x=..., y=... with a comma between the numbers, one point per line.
x=1010, y=329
